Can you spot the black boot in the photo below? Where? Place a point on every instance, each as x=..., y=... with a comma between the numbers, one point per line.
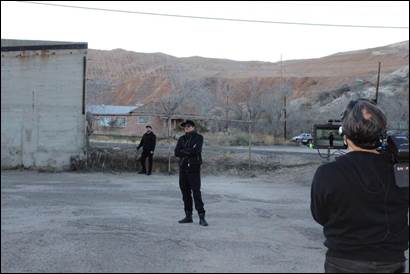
x=202, y=220
x=187, y=219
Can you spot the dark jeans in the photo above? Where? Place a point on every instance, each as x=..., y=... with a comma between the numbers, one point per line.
x=338, y=265
x=190, y=183
x=144, y=156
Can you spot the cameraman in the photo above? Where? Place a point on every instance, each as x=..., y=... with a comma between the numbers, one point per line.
x=363, y=212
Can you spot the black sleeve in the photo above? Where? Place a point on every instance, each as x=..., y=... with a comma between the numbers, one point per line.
x=320, y=195
x=196, y=148
x=154, y=142
x=142, y=142
x=179, y=151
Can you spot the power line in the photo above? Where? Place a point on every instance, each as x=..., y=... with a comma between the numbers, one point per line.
x=217, y=18
x=336, y=4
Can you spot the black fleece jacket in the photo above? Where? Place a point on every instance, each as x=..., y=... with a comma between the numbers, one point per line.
x=189, y=151
x=363, y=213
x=148, y=142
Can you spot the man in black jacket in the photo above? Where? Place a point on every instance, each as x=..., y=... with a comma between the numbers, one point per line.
x=189, y=150
x=147, y=143
x=355, y=198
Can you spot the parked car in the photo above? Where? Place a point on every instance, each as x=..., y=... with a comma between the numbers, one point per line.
x=303, y=138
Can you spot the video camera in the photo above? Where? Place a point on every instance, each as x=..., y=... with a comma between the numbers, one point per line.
x=396, y=146
x=328, y=136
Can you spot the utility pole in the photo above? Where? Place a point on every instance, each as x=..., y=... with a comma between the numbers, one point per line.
x=284, y=98
x=284, y=114
x=249, y=143
x=227, y=109
x=377, y=84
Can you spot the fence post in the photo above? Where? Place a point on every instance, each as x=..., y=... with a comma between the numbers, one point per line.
x=249, y=144
x=169, y=145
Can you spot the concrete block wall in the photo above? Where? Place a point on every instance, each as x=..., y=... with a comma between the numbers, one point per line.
x=42, y=124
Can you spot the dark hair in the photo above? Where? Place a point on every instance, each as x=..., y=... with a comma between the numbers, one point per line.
x=148, y=126
x=364, y=123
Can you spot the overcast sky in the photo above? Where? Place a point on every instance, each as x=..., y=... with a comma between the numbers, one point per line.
x=183, y=37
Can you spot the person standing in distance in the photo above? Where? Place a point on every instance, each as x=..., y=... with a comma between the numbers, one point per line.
x=189, y=152
x=147, y=143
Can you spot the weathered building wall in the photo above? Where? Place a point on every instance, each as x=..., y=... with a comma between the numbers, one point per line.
x=133, y=128
x=42, y=119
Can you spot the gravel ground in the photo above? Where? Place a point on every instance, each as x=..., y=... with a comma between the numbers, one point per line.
x=125, y=222
x=104, y=222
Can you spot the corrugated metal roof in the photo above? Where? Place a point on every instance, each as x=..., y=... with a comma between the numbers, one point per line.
x=111, y=109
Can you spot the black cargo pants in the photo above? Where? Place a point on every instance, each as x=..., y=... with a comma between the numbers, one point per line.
x=190, y=184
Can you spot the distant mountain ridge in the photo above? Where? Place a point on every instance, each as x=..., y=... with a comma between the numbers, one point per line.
x=120, y=77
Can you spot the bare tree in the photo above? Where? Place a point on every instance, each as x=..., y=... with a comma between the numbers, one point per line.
x=178, y=92
x=90, y=122
x=227, y=92
x=274, y=109
x=254, y=100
